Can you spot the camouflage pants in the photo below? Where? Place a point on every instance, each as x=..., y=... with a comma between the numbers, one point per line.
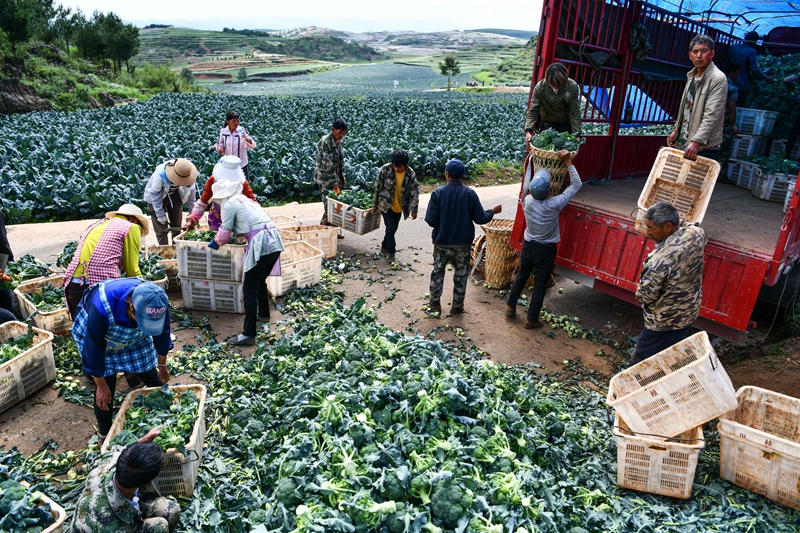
x=459, y=258
x=324, y=188
x=161, y=515
x=725, y=149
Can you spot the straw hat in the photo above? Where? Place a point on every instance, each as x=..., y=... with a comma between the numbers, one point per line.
x=130, y=210
x=181, y=172
x=222, y=189
x=227, y=168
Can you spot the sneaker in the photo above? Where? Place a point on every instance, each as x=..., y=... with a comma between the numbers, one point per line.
x=456, y=310
x=511, y=311
x=529, y=324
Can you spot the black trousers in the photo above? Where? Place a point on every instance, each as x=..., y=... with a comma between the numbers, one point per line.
x=246, y=171
x=391, y=220
x=539, y=259
x=106, y=418
x=256, y=298
x=651, y=342
x=74, y=294
x=6, y=306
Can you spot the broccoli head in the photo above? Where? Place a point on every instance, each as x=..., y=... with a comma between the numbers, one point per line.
x=259, y=516
x=450, y=502
x=158, y=400
x=394, y=484
x=255, y=428
x=286, y=492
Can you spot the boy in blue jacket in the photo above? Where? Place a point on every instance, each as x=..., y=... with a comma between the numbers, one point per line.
x=451, y=213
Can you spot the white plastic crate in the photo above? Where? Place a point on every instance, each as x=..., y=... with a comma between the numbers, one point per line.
x=760, y=445
x=326, y=238
x=779, y=145
x=213, y=295
x=789, y=195
x=17, y=308
x=58, y=514
x=772, y=187
x=360, y=221
x=56, y=321
x=29, y=371
x=282, y=221
x=654, y=465
x=170, y=263
x=301, y=266
x=673, y=391
x=743, y=173
x=196, y=260
x=755, y=121
x=748, y=145
x=179, y=473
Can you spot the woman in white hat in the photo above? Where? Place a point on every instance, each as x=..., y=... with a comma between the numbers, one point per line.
x=227, y=168
x=170, y=187
x=242, y=216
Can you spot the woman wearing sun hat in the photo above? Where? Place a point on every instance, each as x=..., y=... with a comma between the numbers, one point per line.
x=170, y=187
x=227, y=168
x=242, y=216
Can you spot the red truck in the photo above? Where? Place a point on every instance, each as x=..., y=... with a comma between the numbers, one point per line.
x=752, y=243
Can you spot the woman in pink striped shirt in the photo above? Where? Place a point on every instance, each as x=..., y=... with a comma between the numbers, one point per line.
x=235, y=140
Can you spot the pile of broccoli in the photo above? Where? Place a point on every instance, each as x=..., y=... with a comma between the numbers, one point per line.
x=20, y=511
x=554, y=141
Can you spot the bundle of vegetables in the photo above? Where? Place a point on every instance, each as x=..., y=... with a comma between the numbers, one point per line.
x=774, y=164
x=553, y=141
x=150, y=268
x=202, y=236
x=775, y=95
x=23, y=269
x=66, y=255
x=48, y=298
x=20, y=511
x=14, y=346
x=175, y=413
x=355, y=198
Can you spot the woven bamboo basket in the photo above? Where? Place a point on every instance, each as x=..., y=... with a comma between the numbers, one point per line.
x=476, y=248
x=501, y=259
x=558, y=170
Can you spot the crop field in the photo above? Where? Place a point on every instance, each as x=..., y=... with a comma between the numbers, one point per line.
x=159, y=46
x=472, y=60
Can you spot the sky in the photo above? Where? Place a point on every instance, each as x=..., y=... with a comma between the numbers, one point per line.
x=345, y=15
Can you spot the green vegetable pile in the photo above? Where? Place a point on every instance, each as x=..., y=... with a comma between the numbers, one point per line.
x=48, y=298
x=150, y=268
x=176, y=413
x=66, y=255
x=775, y=95
x=554, y=141
x=20, y=511
x=355, y=198
x=14, y=346
x=23, y=269
x=202, y=236
x=774, y=164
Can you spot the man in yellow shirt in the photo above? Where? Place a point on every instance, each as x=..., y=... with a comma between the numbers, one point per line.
x=396, y=193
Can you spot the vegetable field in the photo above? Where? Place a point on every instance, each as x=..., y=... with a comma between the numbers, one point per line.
x=63, y=166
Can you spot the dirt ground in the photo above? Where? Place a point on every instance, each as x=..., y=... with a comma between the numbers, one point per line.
x=398, y=291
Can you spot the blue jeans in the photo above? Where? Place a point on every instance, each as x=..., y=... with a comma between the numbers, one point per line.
x=651, y=342
x=537, y=258
x=391, y=220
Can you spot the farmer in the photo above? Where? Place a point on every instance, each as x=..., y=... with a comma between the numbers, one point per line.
x=234, y=140
x=243, y=216
x=329, y=170
x=556, y=103
x=396, y=193
x=227, y=168
x=118, y=496
x=106, y=247
x=122, y=325
x=670, y=287
x=698, y=126
x=746, y=55
x=451, y=212
x=729, y=129
x=6, y=295
x=541, y=237
x=171, y=185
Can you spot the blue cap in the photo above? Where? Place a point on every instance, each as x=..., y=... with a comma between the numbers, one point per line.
x=455, y=168
x=540, y=184
x=150, y=303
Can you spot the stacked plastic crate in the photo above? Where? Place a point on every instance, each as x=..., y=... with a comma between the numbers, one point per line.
x=754, y=127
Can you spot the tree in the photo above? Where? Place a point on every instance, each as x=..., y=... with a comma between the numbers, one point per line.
x=449, y=67
x=187, y=75
x=65, y=24
x=21, y=19
x=242, y=74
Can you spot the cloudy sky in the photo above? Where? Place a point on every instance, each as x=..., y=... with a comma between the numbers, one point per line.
x=347, y=15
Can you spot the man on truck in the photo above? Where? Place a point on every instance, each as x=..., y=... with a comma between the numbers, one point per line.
x=671, y=283
x=698, y=126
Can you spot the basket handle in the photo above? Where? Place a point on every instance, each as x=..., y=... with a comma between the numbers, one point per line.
x=196, y=456
x=669, y=439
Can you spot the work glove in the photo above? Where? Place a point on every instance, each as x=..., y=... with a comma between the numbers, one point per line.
x=213, y=245
x=163, y=220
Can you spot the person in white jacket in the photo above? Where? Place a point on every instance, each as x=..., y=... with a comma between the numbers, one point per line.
x=171, y=186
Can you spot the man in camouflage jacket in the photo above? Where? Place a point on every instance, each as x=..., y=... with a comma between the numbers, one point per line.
x=329, y=170
x=396, y=193
x=670, y=289
x=118, y=496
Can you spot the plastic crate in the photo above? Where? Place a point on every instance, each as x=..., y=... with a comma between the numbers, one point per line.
x=170, y=263
x=684, y=183
x=29, y=371
x=748, y=145
x=779, y=145
x=17, y=308
x=301, y=266
x=755, y=121
x=58, y=514
x=789, y=195
x=326, y=238
x=360, y=221
x=56, y=321
x=673, y=391
x=282, y=221
x=743, y=173
x=196, y=260
x=179, y=474
x=654, y=465
x=772, y=187
x=760, y=445
x=213, y=295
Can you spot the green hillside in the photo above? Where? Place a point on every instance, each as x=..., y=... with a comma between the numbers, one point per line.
x=520, y=34
x=472, y=60
x=517, y=69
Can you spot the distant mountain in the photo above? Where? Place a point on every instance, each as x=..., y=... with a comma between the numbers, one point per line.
x=519, y=34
